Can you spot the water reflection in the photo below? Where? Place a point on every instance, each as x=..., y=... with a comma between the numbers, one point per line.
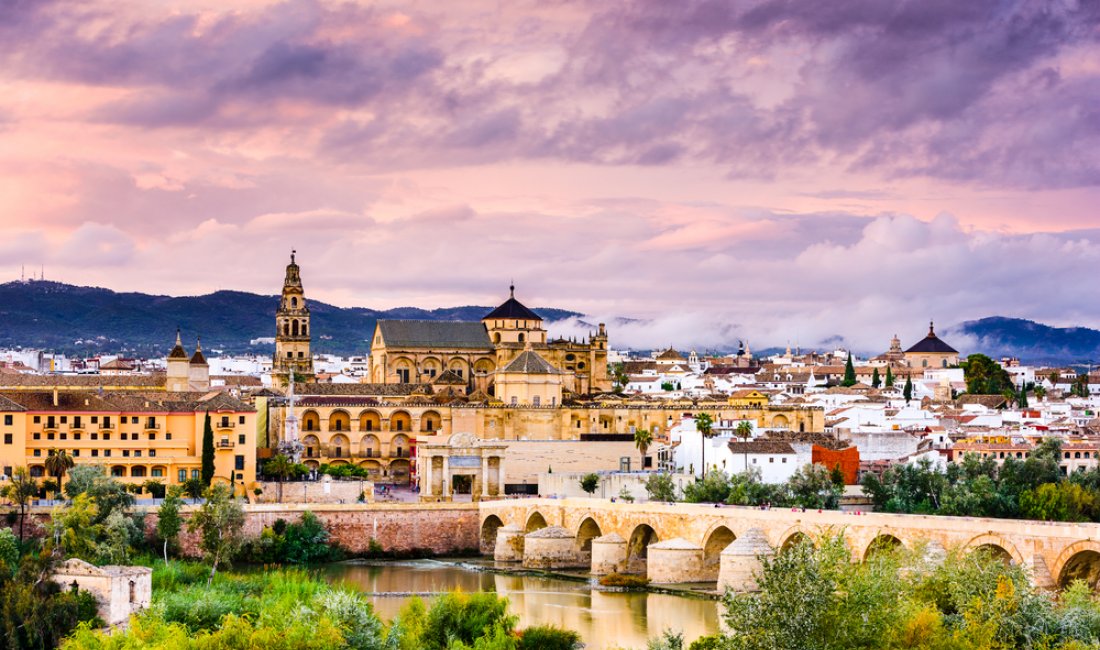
x=605, y=620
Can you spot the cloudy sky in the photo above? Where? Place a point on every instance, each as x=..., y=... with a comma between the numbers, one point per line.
x=775, y=170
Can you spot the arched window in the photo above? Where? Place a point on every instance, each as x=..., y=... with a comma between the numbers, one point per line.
x=305, y=329
x=294, y=328
x=293, y=302
x=521, y=338
x=496, y=338
x=286, y=329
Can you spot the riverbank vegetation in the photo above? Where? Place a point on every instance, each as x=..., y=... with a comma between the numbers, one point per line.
x=1025, y=488
x=288, y=609
x=816, y=598
x=812, y=486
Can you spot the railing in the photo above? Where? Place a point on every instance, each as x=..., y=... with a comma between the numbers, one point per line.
x=226, y=444
x=369, y=453
x=152, y=426
x=225, y=424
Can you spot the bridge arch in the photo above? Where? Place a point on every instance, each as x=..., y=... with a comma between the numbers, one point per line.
x=637, y=547
x=714, y=542
x=535, y=521
x=489, y=529
x=793, y=536
x=586, y=532
x=883, y=542
x=996, y=546
x=1079, y=561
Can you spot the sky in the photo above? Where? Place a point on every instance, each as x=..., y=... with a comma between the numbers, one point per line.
x=767, y=170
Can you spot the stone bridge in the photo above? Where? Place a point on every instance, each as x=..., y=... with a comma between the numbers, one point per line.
x=672, y=543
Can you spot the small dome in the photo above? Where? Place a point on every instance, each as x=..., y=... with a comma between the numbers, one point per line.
x=752, y=544
x=676, y=544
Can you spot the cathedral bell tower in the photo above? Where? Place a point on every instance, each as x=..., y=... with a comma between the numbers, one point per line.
x=292, y=357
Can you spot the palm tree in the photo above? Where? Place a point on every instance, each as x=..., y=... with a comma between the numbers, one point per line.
x=279, y=467
x=744, y=432
x=643, y=438
x=57, y=463
x=704, y=424
x=20, y=490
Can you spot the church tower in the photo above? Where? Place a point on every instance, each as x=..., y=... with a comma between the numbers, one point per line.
x=292, y=356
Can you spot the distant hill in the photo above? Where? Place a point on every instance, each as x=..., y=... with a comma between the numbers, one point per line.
x=1032, y=342
x=86, y=320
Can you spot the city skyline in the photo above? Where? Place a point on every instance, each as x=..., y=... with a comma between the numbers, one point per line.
x=695, y=166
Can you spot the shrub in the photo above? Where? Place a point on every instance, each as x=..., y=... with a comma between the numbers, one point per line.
x=624, y=580
x=548, y=637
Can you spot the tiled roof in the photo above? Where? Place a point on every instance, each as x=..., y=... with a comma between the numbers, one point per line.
x=760, y=447
x=82, y=381
x=670, y=355
x=449, y=377
x=7, y=405
x=512, y=309
x=531, y=363
x=383, y=390
x=440, y=334
x=932, y=344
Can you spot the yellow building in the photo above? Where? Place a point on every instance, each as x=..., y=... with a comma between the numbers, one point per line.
x=137, y=437
x=416, y=352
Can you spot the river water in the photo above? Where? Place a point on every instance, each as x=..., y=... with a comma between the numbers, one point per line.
x=605, y=620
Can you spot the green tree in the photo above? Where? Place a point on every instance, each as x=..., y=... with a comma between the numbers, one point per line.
x=907, y=392
x=714, y=487
x=9, y=553
x=280, y=468
x=704, y=424
x=589, y=482
x=743, y=430
x=812, y=486
x=169, y=521
x=207, y=452
x=889, y=377
x=1021, y=398
x=20, y=491
x=984, y=376
x=849, y=373
x=57, y=463
x=659, y=487
x=876, y=380
x=219, y=521
x=643, y=438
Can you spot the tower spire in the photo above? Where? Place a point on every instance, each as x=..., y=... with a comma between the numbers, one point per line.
x=512, y=288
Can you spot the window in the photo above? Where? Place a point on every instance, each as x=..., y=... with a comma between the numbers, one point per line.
x=157, y=472
x=137, y=453
x=64, y=436
x=238, y=462
x=95, y=419
x=167, y=436
x=8, y=419
x=38, y=419
x=403, y=375
x=7, y=438
x=182, y=475
x=107, y=453
x=37, y=452
x=771, y=460
x=194, y=473
x=240, y=439
x=123, y=435
x=95, y=453
x=152, y=452
x=106, y=436
x=95, y=436
x=49, y=436
x=240, y=419
x=76, y=452
x=515, y=400
x=784, y=460
x=535, y=400
x=152, y=436
x=38, y=436
x=7, y=470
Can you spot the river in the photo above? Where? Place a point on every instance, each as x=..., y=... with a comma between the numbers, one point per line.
x=605, y=620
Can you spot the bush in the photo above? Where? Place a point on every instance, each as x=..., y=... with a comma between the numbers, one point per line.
x=548, y=637
x=624, y=580
x=711, y=642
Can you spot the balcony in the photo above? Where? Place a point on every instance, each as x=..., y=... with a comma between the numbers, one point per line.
x=225, y=444
x=369, y=453
x=152, y=426
x=224, y=424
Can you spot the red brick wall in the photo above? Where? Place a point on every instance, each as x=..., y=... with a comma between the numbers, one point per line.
x=847, y=459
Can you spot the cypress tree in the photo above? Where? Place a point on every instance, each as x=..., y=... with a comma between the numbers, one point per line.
x=207, y=452
x=889, y=377
x=876, y=381
x=849, y=373
x=1022, y=401
x=907, y=392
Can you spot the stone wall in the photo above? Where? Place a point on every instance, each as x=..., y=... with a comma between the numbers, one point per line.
x=323, y=491
x=568, y=484
x=399, y=528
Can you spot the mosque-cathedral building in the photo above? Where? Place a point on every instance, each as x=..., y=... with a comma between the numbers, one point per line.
x=500, y=379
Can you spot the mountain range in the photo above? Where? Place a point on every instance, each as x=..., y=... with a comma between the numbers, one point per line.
x=88, y=320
